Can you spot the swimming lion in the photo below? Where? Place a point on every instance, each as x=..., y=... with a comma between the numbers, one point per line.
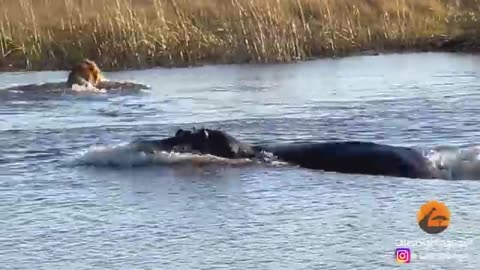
x=84, y=73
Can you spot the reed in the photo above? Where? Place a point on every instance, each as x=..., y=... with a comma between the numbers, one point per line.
x=119, y=34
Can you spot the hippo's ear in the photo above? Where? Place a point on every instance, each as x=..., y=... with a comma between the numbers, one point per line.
x=182, y=133
x=179, y=132
x=205, y=133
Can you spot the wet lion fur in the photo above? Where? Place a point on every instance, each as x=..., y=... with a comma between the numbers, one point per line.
x=84, y=73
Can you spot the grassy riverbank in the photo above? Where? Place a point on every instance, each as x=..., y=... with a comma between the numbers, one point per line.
x=118, y=34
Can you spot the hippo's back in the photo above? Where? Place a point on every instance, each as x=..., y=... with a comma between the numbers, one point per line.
x=356, y=157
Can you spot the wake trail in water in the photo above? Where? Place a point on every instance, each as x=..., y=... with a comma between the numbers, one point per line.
x=126, y=156
x=448, y=163
x=60, y=88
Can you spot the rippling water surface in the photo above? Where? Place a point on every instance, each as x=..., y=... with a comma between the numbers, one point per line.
x=56, y=215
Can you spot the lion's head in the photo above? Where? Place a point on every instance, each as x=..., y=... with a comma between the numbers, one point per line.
x=85, y=72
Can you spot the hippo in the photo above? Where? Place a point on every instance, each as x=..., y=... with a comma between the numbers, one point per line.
x=201, y=141
x=354, y=157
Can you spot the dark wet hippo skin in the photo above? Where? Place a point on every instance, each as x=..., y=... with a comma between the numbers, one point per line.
x=219, y=143
x=181, y=142
x=356, y=157
x=353, y=157
x=202, y=141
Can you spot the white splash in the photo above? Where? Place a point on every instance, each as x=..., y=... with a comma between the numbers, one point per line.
x=125, y=155
x=455, y=163
x=88, y=88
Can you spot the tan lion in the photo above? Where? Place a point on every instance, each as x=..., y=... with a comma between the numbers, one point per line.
x=85, y=73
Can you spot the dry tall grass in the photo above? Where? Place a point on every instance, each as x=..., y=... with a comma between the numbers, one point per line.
x=51, y=34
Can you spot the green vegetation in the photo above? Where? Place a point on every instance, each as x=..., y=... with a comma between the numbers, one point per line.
x=118, y=34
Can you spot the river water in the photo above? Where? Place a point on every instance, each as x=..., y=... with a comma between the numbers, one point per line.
x=58, y=214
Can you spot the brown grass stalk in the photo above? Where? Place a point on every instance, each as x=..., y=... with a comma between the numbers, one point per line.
x=118, y=34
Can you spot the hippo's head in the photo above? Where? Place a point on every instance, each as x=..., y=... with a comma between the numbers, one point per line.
x=213, y=142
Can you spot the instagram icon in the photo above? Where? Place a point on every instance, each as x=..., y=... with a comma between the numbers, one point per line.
x=402, y=255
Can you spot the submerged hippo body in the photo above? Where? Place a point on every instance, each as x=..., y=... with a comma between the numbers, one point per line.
x=345, y=157
x=355, y=157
